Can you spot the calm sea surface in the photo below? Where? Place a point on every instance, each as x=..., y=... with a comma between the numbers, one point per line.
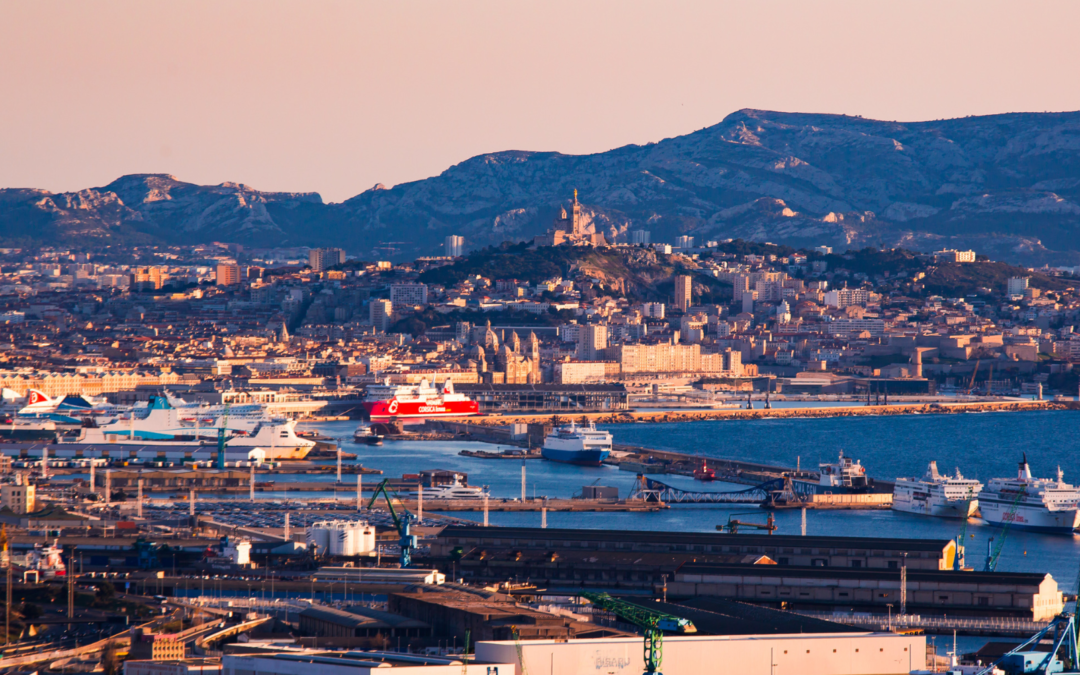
x=983, y=446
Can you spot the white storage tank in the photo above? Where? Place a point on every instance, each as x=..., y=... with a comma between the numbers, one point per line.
x=318, y=535
x=342, y=537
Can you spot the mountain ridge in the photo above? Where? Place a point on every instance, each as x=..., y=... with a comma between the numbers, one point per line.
x=1007, y=185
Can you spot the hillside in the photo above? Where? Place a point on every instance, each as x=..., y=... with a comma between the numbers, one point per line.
x=636, y=273
x=1006, y=185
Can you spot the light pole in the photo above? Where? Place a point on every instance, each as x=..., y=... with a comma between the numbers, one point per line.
x=890, y=616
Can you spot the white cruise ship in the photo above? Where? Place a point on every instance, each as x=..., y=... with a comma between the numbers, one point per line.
x=1041, y=504
x=573, y=444
x=937, y=495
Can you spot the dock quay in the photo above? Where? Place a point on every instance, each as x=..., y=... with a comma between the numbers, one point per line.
x=995, y=626
x=580, y=505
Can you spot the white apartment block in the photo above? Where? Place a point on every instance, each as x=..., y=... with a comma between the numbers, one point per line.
x=408, y=295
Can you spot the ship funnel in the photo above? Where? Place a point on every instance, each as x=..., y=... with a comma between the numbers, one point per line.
x=932, y=472
x=1025, y=470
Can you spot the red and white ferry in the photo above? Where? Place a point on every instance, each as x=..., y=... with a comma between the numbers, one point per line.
x=387, y=400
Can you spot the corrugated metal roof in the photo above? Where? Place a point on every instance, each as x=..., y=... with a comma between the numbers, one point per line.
x=775, y=540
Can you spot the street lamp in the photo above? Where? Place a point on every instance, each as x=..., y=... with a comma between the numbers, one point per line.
x=890, y=616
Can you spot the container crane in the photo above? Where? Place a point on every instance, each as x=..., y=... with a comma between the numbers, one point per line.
x=651, y=622
x=402, y=523
x=993, y=551
x=222, y=430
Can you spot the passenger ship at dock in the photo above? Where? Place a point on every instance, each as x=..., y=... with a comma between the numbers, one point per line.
x=1027, y=503
x=937, y=495
x=385, y=401
x=573, y=444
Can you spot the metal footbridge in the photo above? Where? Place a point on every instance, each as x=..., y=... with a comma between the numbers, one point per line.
x=778, y=490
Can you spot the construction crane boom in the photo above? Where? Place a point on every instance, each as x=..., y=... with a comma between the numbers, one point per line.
x=994, y=550
x=652, y=623
x=971, y=384
x=402, y=523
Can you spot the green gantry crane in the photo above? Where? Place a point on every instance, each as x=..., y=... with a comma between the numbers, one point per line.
x=652, y=623
x=222, y=430
x=402, y=523
x=993, y=551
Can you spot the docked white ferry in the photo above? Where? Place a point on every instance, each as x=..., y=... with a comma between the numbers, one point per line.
x=937, y=495
x=573, y=444
x=1041, y=504
x=845, y=476
x=162, y=424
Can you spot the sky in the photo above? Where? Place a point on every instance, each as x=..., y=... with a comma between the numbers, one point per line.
x=335, y=96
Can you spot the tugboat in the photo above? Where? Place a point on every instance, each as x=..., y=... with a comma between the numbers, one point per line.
x=365, y=433
x=704, y=473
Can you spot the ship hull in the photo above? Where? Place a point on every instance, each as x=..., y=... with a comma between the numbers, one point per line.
x=1033, y=519
x=819, y=489
x=578, y=457
x=929, y=507
x=398, y=409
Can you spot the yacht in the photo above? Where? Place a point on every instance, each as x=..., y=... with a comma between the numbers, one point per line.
x=574, y=444
x=1027, y=503
x=453, y=491
x=845, y=476
x=937, y=495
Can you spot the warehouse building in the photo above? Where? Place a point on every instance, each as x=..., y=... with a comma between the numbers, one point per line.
x=553, y=398
x=1030, y=596
x=453, y=612
x=808, y=654
x=853, y=552
x=358, y=663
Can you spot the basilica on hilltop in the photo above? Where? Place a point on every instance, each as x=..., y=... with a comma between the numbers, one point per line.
x=569, y=228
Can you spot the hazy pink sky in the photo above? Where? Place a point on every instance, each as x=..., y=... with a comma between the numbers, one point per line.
x=335, y=96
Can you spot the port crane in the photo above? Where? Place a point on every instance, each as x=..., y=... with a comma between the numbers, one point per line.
x=958, y=557
x=733, y=526
x=222, y=430
x=1021, y=659
x=402, y=523
x=993, y=551
x=974, y=371
x=651, y=622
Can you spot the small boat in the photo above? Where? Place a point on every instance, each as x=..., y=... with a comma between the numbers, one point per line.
x=704, y=473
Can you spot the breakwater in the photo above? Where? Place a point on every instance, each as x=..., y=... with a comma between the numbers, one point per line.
x=854, y=410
